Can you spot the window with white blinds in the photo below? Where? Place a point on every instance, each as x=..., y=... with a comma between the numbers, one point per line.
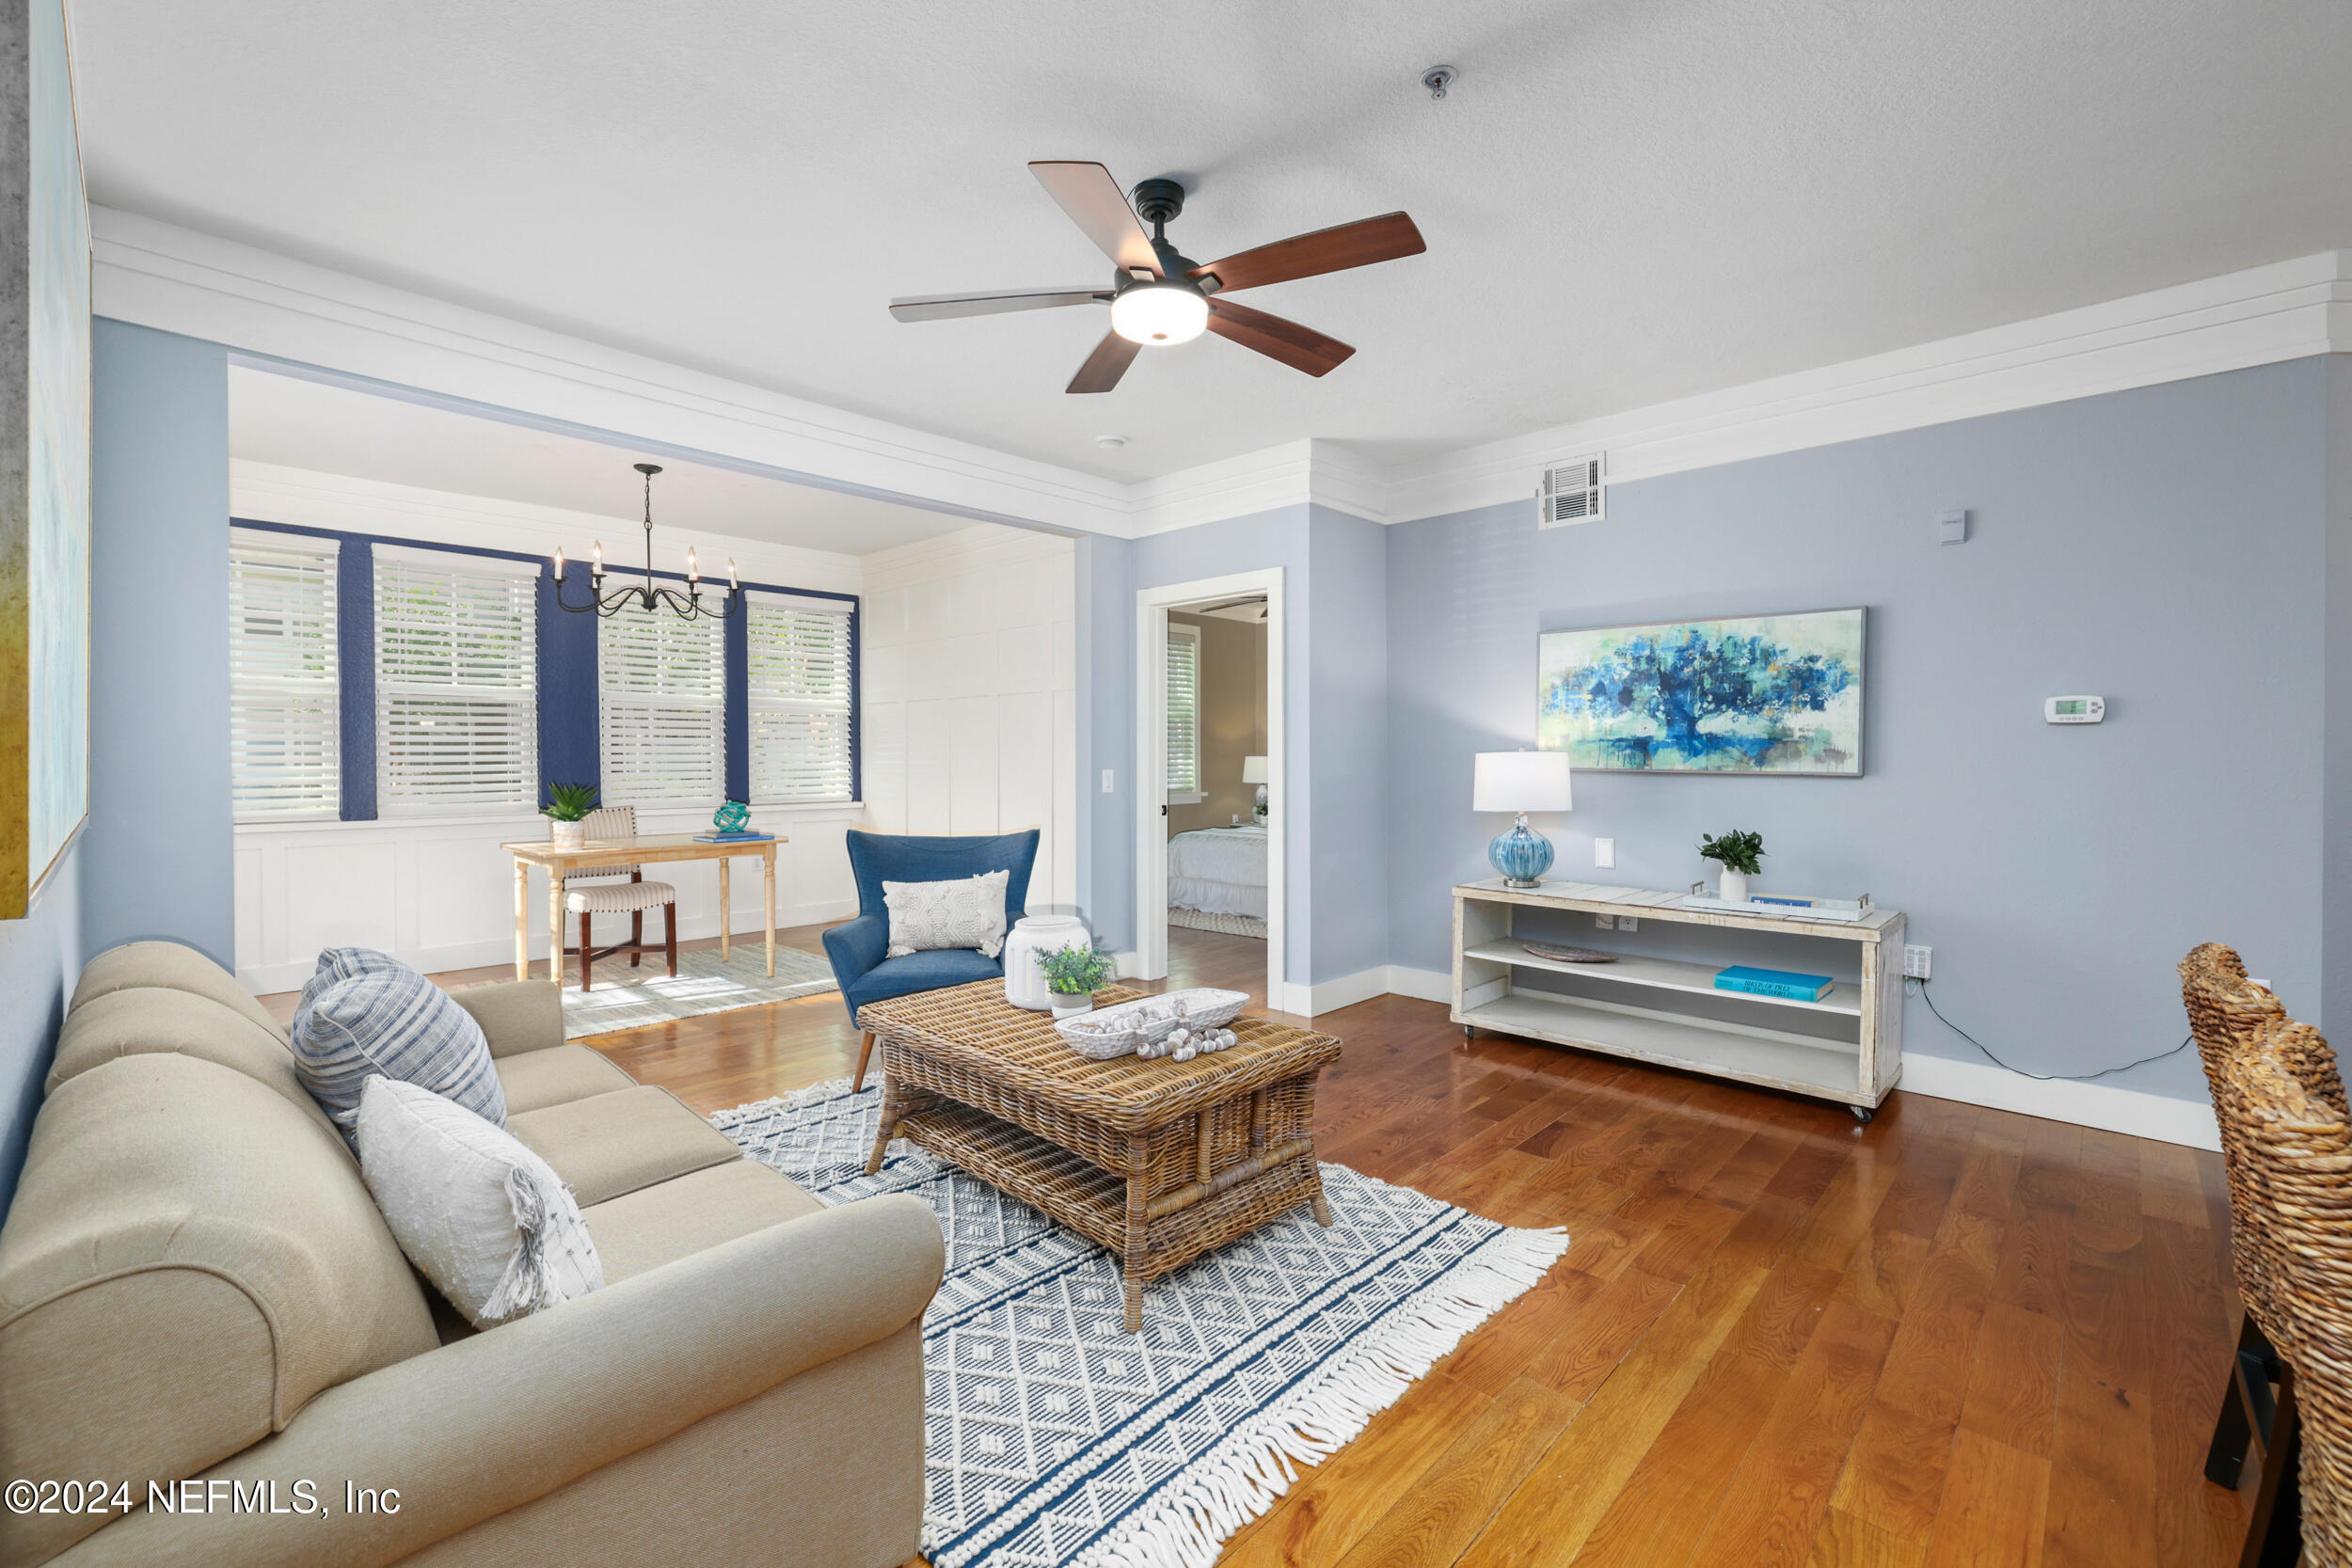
x=1184, y=712
x=284, y=710
x=456, y=682
x=800, y=698
x=661, y=709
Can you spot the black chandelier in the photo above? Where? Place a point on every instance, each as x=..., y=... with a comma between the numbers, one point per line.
x=645, y=595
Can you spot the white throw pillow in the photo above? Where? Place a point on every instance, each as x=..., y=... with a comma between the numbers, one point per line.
x=488, y=1221
x=965, y=913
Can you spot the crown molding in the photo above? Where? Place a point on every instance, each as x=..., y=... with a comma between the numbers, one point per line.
x=2260, y=316
x=315, y=321
x=159, y=275
x=273, y=493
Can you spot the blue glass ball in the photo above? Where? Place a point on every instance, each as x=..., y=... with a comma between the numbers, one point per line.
x=1520, y=855
x=735, y=816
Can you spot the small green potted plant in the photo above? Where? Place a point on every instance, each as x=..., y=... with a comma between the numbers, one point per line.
x=566, y=811
x=1074, y=975
x=1739, y=855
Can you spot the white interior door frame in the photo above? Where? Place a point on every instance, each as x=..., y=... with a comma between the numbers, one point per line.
x=1151, y=608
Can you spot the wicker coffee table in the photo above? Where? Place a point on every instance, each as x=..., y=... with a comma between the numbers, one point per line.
x=1159, y=1161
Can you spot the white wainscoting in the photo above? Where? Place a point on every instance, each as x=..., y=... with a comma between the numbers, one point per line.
x=969, y=677
x=439, y=893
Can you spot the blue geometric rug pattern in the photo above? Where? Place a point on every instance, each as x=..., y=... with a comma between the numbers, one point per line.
x=1055, y=1440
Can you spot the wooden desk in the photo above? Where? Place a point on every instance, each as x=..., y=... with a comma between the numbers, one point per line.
x=560, y=863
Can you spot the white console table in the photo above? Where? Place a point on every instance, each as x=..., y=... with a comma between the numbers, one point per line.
x=1637, y=1006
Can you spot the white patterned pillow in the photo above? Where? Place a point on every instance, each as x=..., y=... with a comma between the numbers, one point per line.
x=488, y=1221
x=365, y=1013
x=966, y=913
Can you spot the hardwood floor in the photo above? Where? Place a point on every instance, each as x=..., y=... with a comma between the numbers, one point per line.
x=1953, y=1337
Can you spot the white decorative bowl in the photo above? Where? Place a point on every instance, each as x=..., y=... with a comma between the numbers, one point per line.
x=1111, y=1032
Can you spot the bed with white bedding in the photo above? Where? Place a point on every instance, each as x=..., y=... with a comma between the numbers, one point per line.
x=1218, y=871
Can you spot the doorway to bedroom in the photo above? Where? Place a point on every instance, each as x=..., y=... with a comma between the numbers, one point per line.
x=1209, y=855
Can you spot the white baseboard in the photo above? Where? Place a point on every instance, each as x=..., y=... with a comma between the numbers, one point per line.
x=2144, y=1115
x=267, y=979
x=2114, y=1110
x=1423, y=984
x=1387, y=980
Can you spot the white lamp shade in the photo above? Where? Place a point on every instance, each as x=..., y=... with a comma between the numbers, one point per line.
x=1521, y=781
x=1253, y=770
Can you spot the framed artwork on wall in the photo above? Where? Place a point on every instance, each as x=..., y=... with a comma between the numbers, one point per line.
x=45, y=459
x=1755, y=694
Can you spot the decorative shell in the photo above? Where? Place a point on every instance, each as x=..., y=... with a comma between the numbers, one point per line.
x=1147, y=1026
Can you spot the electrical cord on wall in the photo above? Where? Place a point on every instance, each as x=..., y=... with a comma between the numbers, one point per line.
x=2045, y=1077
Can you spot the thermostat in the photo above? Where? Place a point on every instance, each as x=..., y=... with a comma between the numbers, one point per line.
x=2073, y=710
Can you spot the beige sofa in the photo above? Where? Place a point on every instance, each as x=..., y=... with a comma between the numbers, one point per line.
x=194, y=1283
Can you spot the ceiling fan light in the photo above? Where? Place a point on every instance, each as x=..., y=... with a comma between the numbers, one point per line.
x=1157, y=314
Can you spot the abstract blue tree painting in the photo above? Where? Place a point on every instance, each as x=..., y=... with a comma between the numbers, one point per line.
x=1763, y=694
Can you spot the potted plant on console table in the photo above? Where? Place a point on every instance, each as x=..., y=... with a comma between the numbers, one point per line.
x=1074, y=975
x=566, y=811
x=1739, y=855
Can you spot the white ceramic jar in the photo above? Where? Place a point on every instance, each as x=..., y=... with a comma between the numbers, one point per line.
x=1032, y=934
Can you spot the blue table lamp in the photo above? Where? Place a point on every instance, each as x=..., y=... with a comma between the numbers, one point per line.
x=1520, y=781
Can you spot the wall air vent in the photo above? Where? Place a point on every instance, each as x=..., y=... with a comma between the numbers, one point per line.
x=1572, y=492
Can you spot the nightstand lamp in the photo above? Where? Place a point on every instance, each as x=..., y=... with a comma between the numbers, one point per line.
x=1520, y=781
x=1253, y=771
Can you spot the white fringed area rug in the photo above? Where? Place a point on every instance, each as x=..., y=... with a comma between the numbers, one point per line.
x=1053, y=1438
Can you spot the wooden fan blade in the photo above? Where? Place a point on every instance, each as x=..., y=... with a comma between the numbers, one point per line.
x=1302, y=348
x=931, y=307
x=1106, y=365
x=1096, y=204
x=1351, y=244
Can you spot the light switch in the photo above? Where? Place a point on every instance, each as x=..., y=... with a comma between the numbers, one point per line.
x=1605, y=853
x=1108, y=786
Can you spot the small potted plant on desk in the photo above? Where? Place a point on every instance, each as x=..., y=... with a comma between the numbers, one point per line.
x=1074, y=975
x=1739, y=855
x=566, y=811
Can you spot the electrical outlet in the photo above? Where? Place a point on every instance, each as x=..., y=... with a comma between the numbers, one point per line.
x=1605, y=853
x=1626, y=923
x=1605, y=922
x=1915, y=962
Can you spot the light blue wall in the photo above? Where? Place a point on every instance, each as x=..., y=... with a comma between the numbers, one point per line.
x=1335, y=611
x=2335, y=915
x=40, y=957
x=158, y=861
x=2167, y=548
x=153, y=859
x=1348, y=728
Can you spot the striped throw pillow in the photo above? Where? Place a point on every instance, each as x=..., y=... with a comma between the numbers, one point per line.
x=366, y=1014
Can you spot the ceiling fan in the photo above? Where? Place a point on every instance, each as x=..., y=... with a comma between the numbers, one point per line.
x=1158, y=296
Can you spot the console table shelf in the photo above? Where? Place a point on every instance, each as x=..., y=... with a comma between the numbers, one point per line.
x=1645, y=1012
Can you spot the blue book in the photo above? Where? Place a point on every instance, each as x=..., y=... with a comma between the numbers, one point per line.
x=1774, y=982
x=733, y=838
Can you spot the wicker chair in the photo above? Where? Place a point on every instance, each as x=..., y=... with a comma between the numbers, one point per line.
x=2295, y=1161
x=607, y=894
x=2233, y=1021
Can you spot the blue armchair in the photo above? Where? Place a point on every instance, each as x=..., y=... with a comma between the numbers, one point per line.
x=858, y=949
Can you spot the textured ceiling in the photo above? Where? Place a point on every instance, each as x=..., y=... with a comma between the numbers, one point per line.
x=1625, y=201
x=305, y=424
